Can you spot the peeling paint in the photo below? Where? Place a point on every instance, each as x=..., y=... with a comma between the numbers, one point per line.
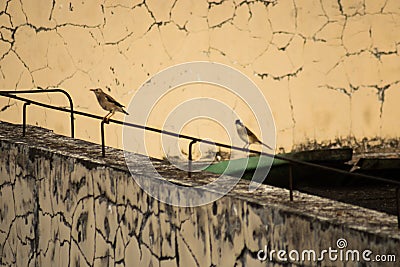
x=58, y=208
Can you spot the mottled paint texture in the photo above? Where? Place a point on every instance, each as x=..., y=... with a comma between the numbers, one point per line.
x=329, y=69
x=62, y=204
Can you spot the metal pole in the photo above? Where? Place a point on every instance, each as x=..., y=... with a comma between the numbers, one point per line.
x=72, y=121
x=71, y=106
x=24, y=118
x=190, y=158
x=103, y=148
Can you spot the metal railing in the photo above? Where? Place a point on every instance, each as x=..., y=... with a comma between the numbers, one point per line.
x=27, y=102
x=193, y=140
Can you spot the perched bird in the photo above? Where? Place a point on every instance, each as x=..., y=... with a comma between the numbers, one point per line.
x=221, y=155
x=108, y=103
x=218, y=156
x=248, y=136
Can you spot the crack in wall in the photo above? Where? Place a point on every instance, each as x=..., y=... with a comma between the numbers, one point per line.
x=349, y=35
x=282, y=77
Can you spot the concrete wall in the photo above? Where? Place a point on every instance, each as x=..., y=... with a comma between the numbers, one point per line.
x=329, y=69
x=61, y=204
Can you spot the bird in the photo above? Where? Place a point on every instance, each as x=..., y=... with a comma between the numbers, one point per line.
x=218, y=156
x=108, y=103
x=248, y=136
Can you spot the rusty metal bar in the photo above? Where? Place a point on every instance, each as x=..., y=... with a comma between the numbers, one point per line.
x=190, y=158
x=24, y=117
x=291, y=182
x=103, y=148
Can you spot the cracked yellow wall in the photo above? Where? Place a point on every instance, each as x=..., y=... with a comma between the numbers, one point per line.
x=329, y=69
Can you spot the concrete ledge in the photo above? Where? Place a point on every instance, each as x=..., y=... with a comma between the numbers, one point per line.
x=62, y=204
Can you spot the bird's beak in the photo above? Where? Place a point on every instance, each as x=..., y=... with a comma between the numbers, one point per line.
x=92, y=90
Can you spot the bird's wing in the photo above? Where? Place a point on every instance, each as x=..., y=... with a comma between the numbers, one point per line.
x=112, y=100
x=255, y=138
x=251, y=134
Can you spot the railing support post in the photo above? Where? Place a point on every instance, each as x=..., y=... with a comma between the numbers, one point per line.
x=190, y=157
x=24, y=117
x=72, y=120
x=103, y=148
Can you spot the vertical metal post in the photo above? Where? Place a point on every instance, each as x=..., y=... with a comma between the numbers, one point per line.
x=72, y=122
x=291, y=182
x=398, y=206
x=103, y=148
x=24, y=118
x=190, y=158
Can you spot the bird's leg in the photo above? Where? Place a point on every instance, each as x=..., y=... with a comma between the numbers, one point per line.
x=112, y=112
x=105, y=119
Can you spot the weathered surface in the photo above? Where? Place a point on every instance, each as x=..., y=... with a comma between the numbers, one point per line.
x=329, y=69
x=61, y=204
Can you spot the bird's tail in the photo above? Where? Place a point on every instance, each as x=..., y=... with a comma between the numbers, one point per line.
x=125, y=112
x=267, y=146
